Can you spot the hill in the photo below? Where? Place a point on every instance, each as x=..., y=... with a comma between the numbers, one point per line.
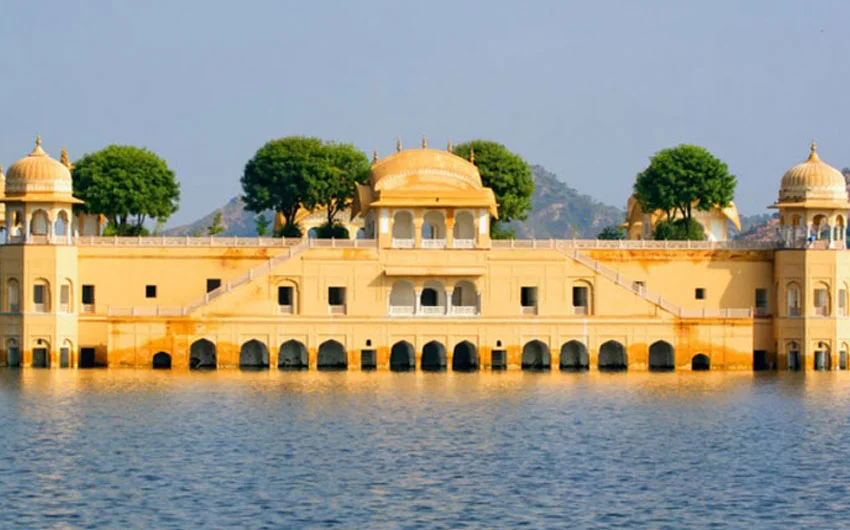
x=556, y=209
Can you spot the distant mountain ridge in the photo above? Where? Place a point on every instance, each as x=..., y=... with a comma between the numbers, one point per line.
x=557, y=211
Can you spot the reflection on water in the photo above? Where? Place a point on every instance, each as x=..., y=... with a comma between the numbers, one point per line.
x=154, y=449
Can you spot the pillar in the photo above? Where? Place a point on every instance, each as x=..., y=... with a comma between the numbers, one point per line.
x=449, y=301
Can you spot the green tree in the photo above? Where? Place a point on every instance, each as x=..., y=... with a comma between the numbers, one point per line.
x=346, y=166
x=681, y=179
x=284, y=175
x=680, y=230
x=611, y=232
x=127, y=185
x=216, y=227
x=508, y=175
x=262, y=224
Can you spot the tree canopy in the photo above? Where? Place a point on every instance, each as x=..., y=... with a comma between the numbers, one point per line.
x=289, y=173
x=681, y=179
x=508, y=175
x=611, y=232
x=127, y=185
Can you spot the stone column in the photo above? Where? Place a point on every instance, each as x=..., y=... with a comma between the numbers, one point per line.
x=449, y=302
x=450, y=231
x=418, y=294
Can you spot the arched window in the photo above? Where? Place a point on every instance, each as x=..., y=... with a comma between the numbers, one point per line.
x=792, y=299
x=41, y=296
x=60, y=227
x=403, y=229
x=13, y=296
x=842, y=357
x=40, y=223
x=65, y=302
x=464, y=230
x=821, y=299
x=842, y=301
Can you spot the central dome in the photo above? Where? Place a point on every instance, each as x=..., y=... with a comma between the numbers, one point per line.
x=814, y=179
x=38, y=173
x=416, y=166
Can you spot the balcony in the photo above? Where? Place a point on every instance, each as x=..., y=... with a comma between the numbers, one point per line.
x=463, y=243
x=284, y=309
x=433, y=243
x=528, y=310
x=88, y=308
x=403, y=243
x=762, y=312
x=336, y=309
x=580, y=310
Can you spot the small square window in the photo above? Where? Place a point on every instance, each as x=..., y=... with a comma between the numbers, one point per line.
x=38, y=294
x=150, y=291
x=336, y=296
x=699, y=293
x=528, y=296
x=88, y=294
x=213, y=284
x=284, y=295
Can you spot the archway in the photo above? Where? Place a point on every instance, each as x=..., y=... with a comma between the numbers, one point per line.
x=535, y=356
x=465, y=357
x=464, y=229
x=661, y=357
x=433, y=226
x=402, y=298
x=39, y=223
x=403, y=228
x=202, y=355
x=61, y=226
x=402, y=357
x=292, y=356
x=161, y=360
x=432, y=301
x=823, y=357
x=332, y=356
x=574, y=356
x=254, y=355
x=700, y=362
x=434, y=357
x=793, y=356
x=13, y=353
x=612, y=357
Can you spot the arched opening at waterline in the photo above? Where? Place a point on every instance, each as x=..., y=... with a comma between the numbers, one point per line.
x=574, y=357
x=332, y=356
x=402, y=357
x=612, y=357
x=254, y=356
x=161, y=361
x=535, y=356
x=661, y=357
x=465, y=357
x=433, y=357
x=292, y=356
x=202, y=355
x=700, y=362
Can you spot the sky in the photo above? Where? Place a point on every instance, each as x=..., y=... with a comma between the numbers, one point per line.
x=589, y=90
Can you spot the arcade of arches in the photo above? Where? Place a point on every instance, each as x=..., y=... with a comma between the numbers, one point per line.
x=536, y=355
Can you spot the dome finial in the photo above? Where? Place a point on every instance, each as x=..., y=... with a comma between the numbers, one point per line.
x=449, y=146
x=813, y=154
x=424, y=142
x=375, y=156
x=398, y=145
x=471, y=154
x=38, y=139
x=63, y=158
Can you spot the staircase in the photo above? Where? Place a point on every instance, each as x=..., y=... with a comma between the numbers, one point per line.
x=256, y=272
x=649, y=296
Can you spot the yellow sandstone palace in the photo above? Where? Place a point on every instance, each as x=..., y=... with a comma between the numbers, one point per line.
x=424, y=288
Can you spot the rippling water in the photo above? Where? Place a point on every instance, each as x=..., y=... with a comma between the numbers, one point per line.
x=145, y=449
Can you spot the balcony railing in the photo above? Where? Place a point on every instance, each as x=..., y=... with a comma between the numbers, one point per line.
x=463, y=243
x=528, y=310
x=822, y=311
x=580, y=310
x=433, y=243
x=793, y=311
x=284, y=309
x=336, y=309
x=433, y=311
x=403, y=243
x=762, y=312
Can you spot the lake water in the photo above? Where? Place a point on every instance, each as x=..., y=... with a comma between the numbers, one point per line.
x=153, y=449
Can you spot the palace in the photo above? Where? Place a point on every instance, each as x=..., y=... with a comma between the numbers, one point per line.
x=423, y=287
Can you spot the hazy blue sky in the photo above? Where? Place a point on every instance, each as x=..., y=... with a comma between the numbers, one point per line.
x=588, y=89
